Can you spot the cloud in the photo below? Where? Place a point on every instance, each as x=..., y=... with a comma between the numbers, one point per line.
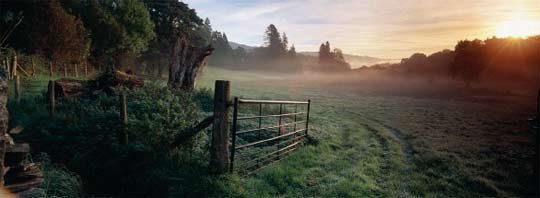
x=386, y=28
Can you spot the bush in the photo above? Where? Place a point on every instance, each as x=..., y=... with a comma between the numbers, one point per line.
x=83, y=136
x=59, y=181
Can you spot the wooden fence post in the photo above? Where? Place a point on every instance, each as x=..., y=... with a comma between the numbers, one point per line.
x=307, y=116
x=51, y=73
x=18, y=91
x=123, y=136
x=14, y=68
x=65, y=70
x=33, y=68
x=85, y=69
x=76, y=70
x=219, y=151
x=52, y=102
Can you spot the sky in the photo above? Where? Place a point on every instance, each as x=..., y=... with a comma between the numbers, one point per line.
x=381, y=28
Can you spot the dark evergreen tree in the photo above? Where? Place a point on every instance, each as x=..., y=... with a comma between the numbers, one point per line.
x=273, y=42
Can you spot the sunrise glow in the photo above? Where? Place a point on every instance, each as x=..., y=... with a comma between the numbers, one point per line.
x=517, y=28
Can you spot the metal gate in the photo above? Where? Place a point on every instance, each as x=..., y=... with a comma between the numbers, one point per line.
x=256, y=139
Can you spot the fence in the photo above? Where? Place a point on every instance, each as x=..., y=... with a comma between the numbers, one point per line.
x=267, y=143
x=252, y=147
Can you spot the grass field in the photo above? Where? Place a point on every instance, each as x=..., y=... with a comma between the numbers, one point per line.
x=390, y=143
x=373, y=144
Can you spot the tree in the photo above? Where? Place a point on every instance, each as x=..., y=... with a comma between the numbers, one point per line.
x=469, y=61
x=119, y=29
x=59, y=35
x=292, y=52
x=332, y=61
x=177, y=30
x=273, y=42
x=285, y=42
x=223, y=53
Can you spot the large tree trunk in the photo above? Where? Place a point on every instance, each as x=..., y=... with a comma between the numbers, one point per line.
x=185, y=64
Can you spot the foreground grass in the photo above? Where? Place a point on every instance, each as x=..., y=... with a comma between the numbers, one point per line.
x=391, y=146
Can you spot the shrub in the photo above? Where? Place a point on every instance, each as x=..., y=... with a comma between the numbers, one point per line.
x=83, y=136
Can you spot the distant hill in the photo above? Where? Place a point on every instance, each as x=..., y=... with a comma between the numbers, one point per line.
x=356, y=60
x=235, y=45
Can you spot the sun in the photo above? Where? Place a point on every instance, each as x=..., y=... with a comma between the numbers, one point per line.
x=517, y=28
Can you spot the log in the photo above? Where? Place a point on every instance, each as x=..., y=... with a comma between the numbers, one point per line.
x=107, y=81
x=68, y=88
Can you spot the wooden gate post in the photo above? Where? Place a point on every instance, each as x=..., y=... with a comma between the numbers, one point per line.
x=219, y=151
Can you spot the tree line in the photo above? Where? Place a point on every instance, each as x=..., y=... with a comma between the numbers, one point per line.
x=144, y=36
x=492, y=59
x=276, y=54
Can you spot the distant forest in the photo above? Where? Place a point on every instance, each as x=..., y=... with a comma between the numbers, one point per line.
x=493, y=59
x=274, y=55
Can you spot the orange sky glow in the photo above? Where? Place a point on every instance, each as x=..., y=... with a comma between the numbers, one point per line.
x=382, y=28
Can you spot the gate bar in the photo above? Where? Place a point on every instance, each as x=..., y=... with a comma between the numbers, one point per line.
x=267, y=116
x=271, y=102
x=235, y=114
x=272, y=127
x=269, y=139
